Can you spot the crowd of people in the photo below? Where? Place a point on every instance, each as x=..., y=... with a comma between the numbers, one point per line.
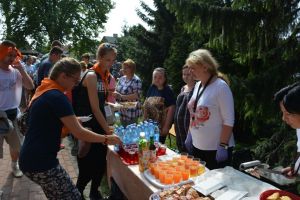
x=57, y=90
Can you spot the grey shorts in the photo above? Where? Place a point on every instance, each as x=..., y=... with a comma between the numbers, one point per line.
x=13, y=139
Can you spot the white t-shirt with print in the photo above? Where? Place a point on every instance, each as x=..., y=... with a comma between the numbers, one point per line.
x=10, y=88
x=215, y=108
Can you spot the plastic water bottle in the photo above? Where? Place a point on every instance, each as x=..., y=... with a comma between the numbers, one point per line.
x=117, y=118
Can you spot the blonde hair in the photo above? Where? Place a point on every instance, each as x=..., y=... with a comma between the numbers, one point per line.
x=203, y=57
x=104, y=49
x=129, y=63
x=69, y=66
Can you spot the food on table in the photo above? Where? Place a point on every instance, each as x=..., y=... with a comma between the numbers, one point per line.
x=184, y=192
x=253, y=172
x=128, y=104
x=276, y=196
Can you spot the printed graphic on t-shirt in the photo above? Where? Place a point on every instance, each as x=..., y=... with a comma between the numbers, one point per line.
x=7, y=84
x=200, y=116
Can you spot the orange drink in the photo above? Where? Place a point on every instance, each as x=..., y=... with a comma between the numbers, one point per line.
x=162, y=176
x=181, y=162
x=152, y=167
x=169, y=178
x=176, y=177
x=156, y=172
x=185, y=174
x=193, y=170
x=184, y=156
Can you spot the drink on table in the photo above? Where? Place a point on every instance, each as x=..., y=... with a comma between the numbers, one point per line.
x=144, y=153
x=152, y=150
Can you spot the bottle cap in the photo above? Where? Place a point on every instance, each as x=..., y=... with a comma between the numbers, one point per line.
x=142, y=134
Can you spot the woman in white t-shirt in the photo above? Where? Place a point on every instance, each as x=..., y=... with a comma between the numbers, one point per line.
x=211, y=111
x=288, y=98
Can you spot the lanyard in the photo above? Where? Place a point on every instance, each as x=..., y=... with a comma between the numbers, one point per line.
x=199, y=95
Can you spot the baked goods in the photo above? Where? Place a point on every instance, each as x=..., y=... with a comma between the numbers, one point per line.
x=128, y=104
x=184, y=192
x=276, y=196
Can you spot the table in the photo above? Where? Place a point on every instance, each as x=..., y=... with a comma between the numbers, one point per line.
x=134, y=185
x=128, y=177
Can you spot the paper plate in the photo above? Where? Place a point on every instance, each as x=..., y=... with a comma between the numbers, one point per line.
x=267, y=193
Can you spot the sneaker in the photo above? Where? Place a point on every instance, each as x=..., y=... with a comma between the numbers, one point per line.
x=16, y=171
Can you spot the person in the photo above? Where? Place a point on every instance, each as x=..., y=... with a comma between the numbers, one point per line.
x=46, y=65
x=50, y=110
x=12, y=78
x=211, y=111
x=94, y=91
x=182, y=115
x=160, y=103
x=83, y=68
x=129, y=88
x=86, y=59
x=288, y=99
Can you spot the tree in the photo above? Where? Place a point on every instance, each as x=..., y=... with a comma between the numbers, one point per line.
x=257, y=44
x=65, y=20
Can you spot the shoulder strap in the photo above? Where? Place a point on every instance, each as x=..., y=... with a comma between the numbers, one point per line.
x=83, y=77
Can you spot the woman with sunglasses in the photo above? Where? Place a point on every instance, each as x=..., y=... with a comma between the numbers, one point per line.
x=288, y=99
x=50, y=110
x=93, y=92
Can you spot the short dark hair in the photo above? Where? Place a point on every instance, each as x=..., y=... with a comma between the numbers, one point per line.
x=56, y=43
x=56, y=50
x=86, y=55
x=8, y=43
x=290, y=97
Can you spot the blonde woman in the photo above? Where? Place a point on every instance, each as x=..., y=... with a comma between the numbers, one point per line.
x=129, y=88
x=211, y=111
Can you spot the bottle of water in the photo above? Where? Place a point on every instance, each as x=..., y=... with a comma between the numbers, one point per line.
x=118, y=119
x=156, y=132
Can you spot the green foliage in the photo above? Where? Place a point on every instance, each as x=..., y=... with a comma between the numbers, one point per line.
x=41, y=21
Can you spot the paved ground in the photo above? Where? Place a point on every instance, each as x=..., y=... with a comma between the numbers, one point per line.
x=23, y=188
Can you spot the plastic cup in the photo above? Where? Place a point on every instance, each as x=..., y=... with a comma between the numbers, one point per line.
x=162, y=150
x=185, y=174
x=194, y=170
x=162, y=176
x=201, y=168
x=176, y=177
x=184, y=155
x=169, y=178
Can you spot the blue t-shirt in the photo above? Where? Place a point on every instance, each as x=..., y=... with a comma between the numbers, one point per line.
x=42, y=141
x=166, y=93
x=43, y=70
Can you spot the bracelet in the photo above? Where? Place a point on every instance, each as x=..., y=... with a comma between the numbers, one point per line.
x=105, y=139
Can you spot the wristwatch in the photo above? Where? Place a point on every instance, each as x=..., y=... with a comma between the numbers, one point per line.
x=225, y=146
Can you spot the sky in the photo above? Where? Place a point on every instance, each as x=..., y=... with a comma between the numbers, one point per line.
x=123, y=13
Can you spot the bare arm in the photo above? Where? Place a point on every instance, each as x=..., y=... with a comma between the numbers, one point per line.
x=91, y=83
x=81, y=133
x=26, y=80
x=225, y=134
x=169, y=119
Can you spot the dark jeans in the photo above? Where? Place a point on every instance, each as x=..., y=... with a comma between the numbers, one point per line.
x=210, y=158
x=92, y=168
